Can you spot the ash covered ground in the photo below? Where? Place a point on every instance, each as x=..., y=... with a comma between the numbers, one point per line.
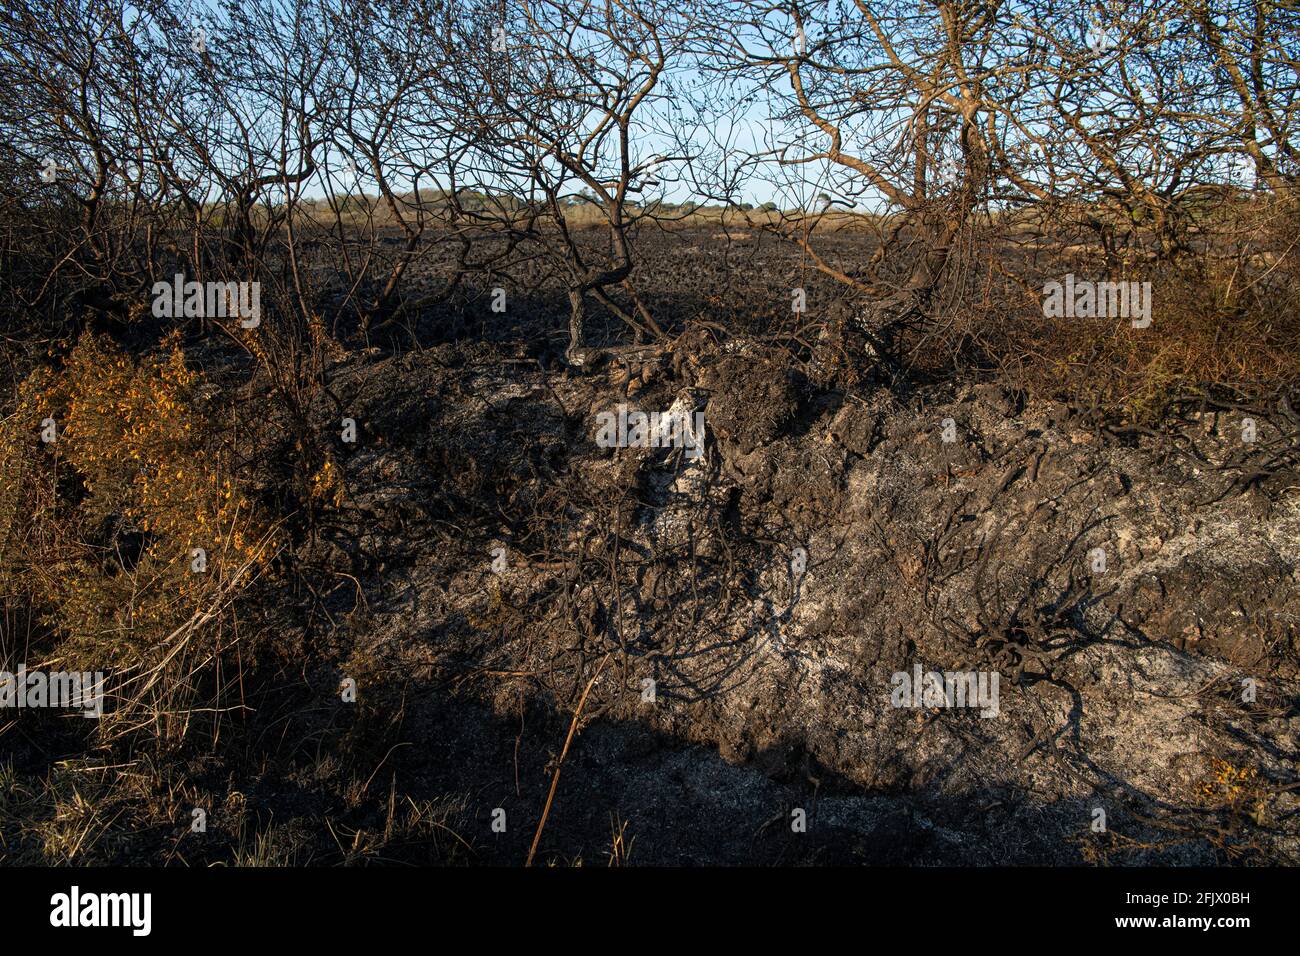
x=1122, y=586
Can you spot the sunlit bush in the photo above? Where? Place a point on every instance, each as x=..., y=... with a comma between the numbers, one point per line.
x=126, y=537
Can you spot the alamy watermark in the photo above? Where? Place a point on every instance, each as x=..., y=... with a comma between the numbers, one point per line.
x=1086, y=299
x=637, y=429
x=26, y=689
x=74, y=909
x=214, y=300
x=947, y=689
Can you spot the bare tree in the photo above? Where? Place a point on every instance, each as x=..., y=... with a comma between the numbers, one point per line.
x=558, y=106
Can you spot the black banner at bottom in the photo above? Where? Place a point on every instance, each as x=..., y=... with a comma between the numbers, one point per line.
x=333, y=906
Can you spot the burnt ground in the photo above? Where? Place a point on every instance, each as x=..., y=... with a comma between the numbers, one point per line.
x=1121, y=689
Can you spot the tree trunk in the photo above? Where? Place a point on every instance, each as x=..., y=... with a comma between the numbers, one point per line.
x=574, y=355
